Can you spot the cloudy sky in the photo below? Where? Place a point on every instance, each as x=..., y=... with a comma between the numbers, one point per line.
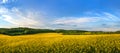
x=61, y=14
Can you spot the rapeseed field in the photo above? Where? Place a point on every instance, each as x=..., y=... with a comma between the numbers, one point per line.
x=58, y=43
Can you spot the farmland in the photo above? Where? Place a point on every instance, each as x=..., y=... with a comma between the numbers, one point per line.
x=58, y=43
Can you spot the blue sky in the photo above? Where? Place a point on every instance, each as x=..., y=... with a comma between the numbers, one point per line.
x=61, y=14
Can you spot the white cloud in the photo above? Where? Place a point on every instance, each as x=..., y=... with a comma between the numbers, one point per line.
x=90, y=22
x=28, y=18
x=79, y=20
x=6, y=1
x=110, y=17
x=105, y=29
x=3, y=10
x=18, y=18
x=75, y=20
x=20, y=21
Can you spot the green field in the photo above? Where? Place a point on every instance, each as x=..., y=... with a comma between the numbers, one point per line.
x=57, y=43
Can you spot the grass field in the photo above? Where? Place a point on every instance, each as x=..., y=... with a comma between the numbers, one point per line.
x=57, y=43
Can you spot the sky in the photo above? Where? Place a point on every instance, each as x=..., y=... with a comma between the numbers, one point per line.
x=93, y=15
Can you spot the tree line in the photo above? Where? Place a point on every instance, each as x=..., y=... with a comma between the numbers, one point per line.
x=24, y=31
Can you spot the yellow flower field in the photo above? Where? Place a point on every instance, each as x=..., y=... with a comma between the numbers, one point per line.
x=58, y=43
